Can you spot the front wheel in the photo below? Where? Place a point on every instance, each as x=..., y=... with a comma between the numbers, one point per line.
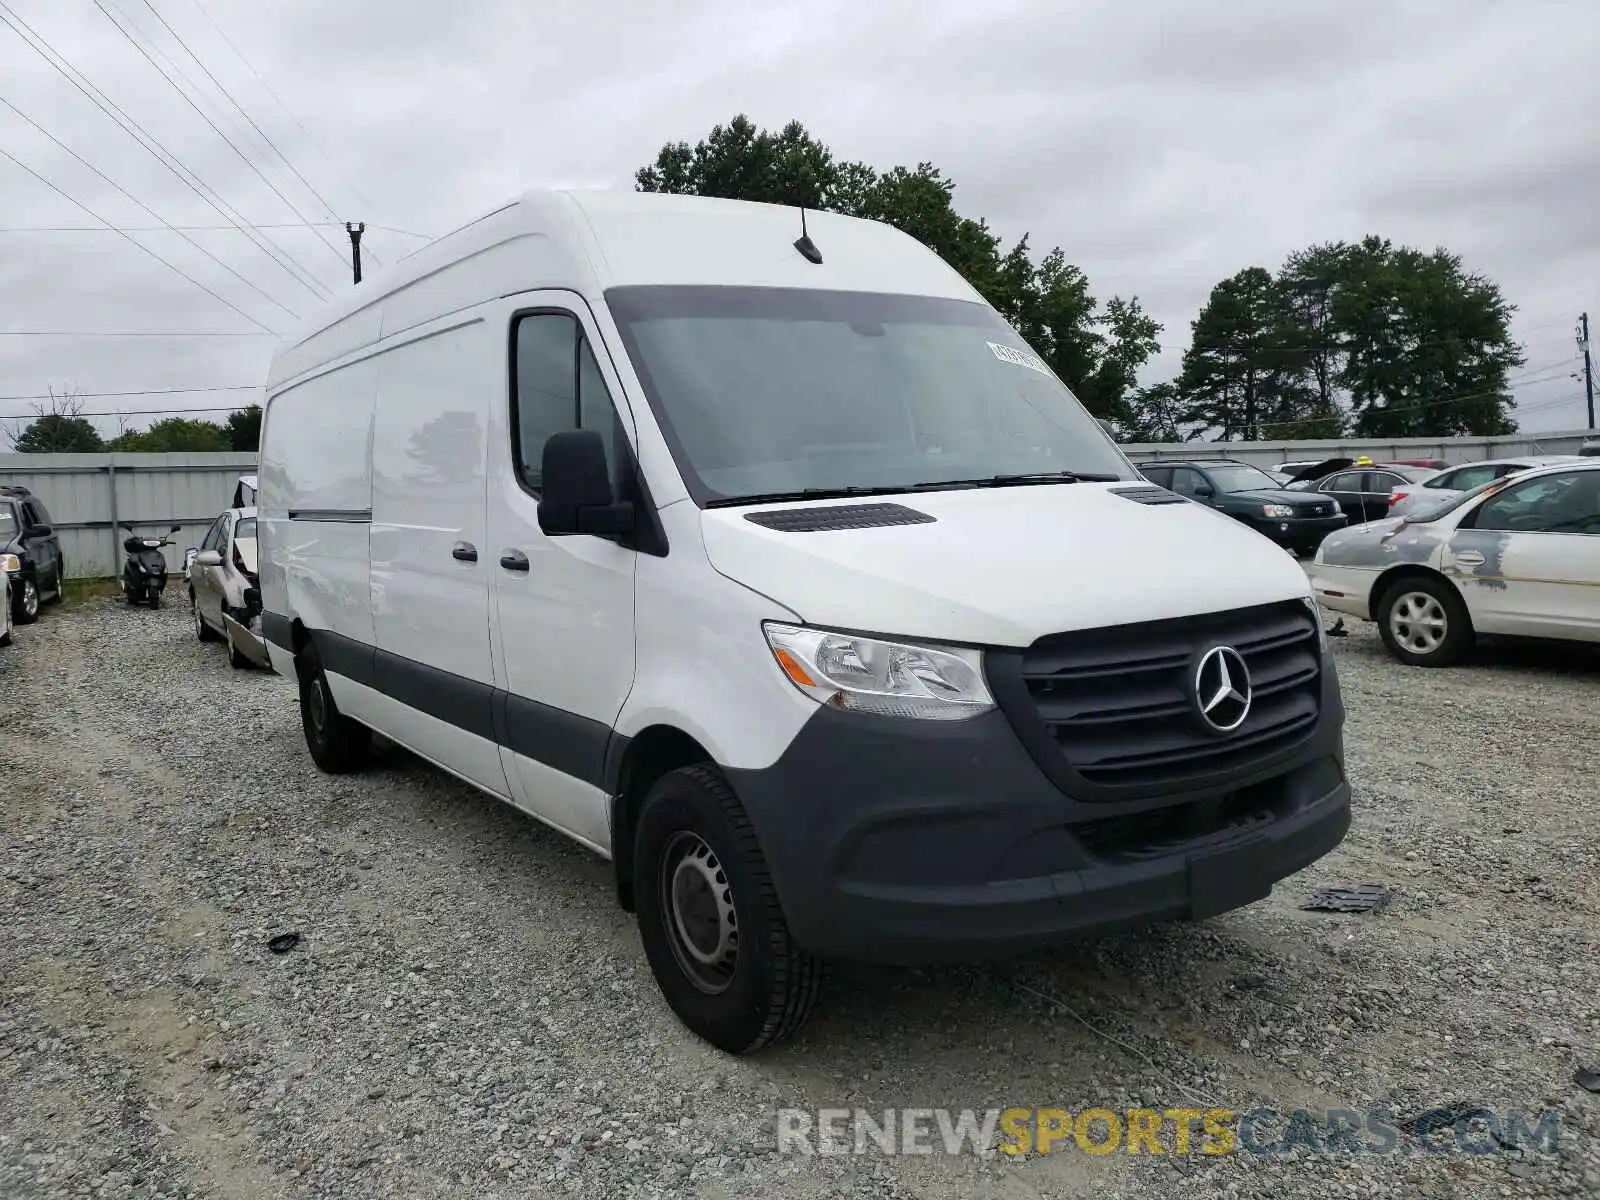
x=337, y=744
x=1424, y=622
x=202, y=631
x=709, y=917
x=26, y=609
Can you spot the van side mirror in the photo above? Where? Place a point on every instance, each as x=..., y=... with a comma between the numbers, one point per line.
x=575, y=487
x=208, y=558
x=1204, y=490
x=37, y=531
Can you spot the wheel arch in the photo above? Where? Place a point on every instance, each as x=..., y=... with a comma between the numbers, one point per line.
x=1385, y=581
x=630, y=774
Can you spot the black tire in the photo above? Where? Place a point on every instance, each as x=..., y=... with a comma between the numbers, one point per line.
x=337, y=744
x=155, y=599
x=25, y=602
x=61, y=582
x=1424, y=623
x=202, y=631
x=764, y=987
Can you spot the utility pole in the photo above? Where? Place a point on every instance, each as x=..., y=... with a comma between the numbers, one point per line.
x=1588, y=364
x=355, y=232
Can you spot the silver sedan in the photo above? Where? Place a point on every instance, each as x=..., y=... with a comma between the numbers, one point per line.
x=224, y=590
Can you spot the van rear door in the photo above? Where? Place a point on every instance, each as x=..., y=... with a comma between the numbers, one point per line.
x=429, y=561
x=564, y=604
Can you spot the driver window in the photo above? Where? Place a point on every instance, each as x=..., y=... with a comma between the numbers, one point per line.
x=213, y=535
x=558, y=386
x=1186, y=481
x=1566, y=503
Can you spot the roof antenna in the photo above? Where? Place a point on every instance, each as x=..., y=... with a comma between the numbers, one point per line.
x=804, y=244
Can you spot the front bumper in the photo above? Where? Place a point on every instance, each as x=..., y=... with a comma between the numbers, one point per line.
x=907, y=842
x=1299, y=533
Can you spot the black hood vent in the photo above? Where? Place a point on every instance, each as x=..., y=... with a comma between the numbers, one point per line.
x=1148, y=495
x=834, y=517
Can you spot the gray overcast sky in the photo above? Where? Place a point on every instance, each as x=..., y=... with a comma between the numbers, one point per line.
x=1163, y=145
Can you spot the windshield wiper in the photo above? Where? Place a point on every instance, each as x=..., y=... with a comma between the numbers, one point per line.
x=1019, y=480
x=805, y=494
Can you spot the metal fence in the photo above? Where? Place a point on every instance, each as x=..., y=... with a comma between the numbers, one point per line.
x=89, y=496
x=1453, y=450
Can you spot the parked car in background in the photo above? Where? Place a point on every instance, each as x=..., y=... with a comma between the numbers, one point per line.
x=1249, y=494
x=1590, y=448
x=224, y=589
x=1435, y=487
x=30, y=553
x=1362, y=493
x=244, y=492
x=1518, y=556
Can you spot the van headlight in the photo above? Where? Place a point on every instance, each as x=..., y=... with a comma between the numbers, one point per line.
x=893, y=679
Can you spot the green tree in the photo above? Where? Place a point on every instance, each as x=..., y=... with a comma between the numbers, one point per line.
x=175, y=435
x=1156, y=414
x=1427, y=345
x=1243, y=372
x=58, y=428
x=244, y=428
x=1097, y=350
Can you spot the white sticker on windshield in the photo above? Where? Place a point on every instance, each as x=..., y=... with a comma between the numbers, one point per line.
x=1019, y=358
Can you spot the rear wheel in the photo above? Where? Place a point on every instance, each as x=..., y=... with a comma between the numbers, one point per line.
x=5, y=625
x=61, y=582
x=710, y=920
x=337, y=744
x=235, y=660
x=1424, y=622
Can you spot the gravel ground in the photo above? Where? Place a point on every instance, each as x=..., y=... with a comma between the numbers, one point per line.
x=468, y=1014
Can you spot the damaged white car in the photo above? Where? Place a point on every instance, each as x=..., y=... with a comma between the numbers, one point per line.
x=224, y=589
x=1515, y=557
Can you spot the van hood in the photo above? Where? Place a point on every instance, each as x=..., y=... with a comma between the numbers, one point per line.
x=1005, y=566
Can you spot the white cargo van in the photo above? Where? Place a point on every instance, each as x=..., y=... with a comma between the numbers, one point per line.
x=779, y=571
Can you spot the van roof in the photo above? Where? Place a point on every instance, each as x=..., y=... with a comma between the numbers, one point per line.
x=590, y=241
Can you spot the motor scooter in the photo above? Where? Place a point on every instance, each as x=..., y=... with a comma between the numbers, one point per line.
x=144, y=574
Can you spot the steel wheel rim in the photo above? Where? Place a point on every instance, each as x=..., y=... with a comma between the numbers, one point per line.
x=701, y=924
x=1418, y=622
x=318, y=707
x=30, y=597
x=199, y=624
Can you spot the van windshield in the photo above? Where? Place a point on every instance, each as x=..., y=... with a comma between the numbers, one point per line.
x=773, y=390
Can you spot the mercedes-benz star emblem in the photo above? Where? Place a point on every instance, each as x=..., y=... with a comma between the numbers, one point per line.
x=1222, y=689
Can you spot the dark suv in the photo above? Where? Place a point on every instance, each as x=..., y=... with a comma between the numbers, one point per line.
x=30, y=552
x=1297, y=521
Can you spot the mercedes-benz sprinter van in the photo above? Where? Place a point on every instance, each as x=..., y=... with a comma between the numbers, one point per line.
x=774, y=567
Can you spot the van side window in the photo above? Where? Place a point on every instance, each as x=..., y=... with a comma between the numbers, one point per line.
x=558, y=387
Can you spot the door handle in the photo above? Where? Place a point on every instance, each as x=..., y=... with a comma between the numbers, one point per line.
x=514, y=560
x=464, y=552
x=1470, y=558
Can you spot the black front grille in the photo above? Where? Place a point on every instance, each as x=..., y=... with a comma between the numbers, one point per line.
x=1119, y=702
x=1314, y=510
x=1158, y=832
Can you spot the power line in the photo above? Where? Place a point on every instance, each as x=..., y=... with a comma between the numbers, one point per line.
x=243, y=157
x=164, y=262
x=153, y=146
x=328, y=208
x=178, y=333
x=239, y=54
x=124, y=191
x=136, y=412
x=75, y=395
x=427, y=237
